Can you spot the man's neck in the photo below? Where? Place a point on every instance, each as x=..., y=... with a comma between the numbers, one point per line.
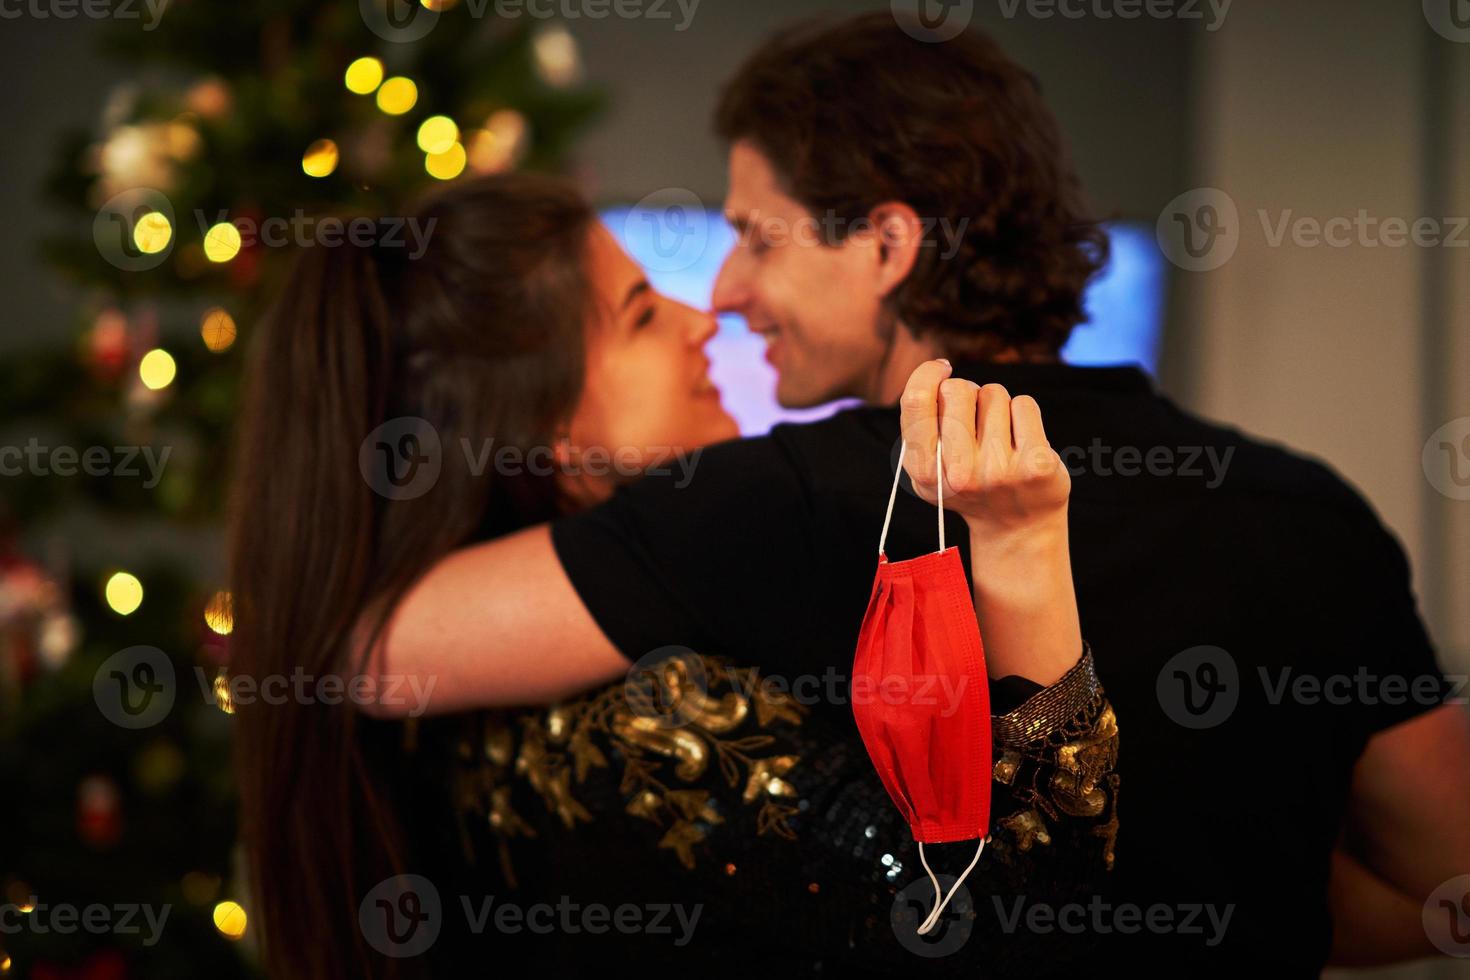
x=904, y=354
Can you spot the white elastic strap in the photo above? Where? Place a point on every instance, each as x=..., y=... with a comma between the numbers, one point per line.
x=939, y=905
x=893, y=493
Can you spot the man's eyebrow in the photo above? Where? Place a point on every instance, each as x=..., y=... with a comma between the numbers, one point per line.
x=638, y=289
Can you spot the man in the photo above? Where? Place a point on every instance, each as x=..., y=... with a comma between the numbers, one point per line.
x=1209, y=594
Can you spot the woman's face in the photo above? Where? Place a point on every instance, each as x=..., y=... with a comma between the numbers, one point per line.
x=648, y=393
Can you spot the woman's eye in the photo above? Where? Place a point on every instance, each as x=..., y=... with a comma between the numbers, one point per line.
x=644, y=319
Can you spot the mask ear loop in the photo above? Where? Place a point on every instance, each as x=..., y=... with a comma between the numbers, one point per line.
x=933, y=918
x=893, y=493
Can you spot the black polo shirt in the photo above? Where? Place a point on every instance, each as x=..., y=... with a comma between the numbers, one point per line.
x=1251, y=619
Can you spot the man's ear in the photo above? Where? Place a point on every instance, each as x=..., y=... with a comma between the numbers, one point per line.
x=900, y=235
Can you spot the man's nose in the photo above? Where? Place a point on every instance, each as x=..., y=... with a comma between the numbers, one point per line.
x=731, y=291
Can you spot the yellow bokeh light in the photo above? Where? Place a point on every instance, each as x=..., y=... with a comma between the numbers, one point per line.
x=229, y=919
x=5, y=965
x=124, y=593
x=219, y=613
x=217, y=328
x=320, y=158
x=447, y=165
x=437, y=134
x=222, y=242
x=157, y=369
x=152, y=233
x=437, y=5
x=398, y=95
x=364, y=75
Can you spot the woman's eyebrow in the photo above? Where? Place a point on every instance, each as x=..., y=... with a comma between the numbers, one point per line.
x=638, y=289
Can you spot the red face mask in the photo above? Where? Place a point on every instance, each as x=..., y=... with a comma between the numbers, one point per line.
x=921, y=697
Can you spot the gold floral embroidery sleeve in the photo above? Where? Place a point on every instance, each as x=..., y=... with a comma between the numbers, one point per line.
x=1056, y=758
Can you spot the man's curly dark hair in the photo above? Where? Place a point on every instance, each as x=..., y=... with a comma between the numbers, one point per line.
x=862, y=111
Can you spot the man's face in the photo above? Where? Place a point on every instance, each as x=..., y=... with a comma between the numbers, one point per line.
x=818, y=307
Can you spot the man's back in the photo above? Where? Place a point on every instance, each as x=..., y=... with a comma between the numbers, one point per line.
x=1249, y=616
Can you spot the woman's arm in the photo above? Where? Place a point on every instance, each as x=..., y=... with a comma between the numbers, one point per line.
x=484, y=624
x=501, y=624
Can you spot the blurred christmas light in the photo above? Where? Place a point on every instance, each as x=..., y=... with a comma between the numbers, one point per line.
x=157, y=369
x=219, y=613
x=5, y=965
x=217, y=328
x=447, y=165
x=398, y=95
x=124, y=593
x=437, y=134
x=222, y=242
x=364, y=76
x=152, y=233
x=223, y=698
x=438, y=4
x=320, y=158
x=487, y=154
x=556, y=56
x=229, y=919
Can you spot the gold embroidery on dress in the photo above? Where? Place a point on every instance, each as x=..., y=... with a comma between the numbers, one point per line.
x=671, y=730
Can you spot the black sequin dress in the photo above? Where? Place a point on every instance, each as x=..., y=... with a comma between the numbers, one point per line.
x=716, y=825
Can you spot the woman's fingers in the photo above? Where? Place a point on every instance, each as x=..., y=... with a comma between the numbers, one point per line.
x=919, y=420
x=995, y=424
x=958, y=400
x=1026, y=427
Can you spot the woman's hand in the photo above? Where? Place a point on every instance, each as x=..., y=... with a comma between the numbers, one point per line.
x=1012, y=488
x=1000, y=473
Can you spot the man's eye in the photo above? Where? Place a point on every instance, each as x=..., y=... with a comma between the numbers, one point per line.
x=644, y=319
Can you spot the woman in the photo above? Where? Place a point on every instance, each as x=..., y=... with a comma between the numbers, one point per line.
x=524, y=324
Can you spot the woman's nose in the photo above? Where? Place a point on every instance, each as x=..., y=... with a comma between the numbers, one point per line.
x=702, y=326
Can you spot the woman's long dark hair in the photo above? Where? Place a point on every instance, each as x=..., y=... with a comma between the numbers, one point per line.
x=481, y=336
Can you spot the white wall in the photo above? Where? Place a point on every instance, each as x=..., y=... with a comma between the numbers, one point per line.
x=1324, y=108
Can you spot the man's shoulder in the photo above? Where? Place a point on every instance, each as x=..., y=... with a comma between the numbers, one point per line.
x=1261, y=472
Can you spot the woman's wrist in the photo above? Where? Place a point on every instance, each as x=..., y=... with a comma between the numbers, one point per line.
x=1026, y=603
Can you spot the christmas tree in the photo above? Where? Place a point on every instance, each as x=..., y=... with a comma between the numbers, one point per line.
x=242, y=127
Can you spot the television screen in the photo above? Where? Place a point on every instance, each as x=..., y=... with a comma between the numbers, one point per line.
x=681, y=249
